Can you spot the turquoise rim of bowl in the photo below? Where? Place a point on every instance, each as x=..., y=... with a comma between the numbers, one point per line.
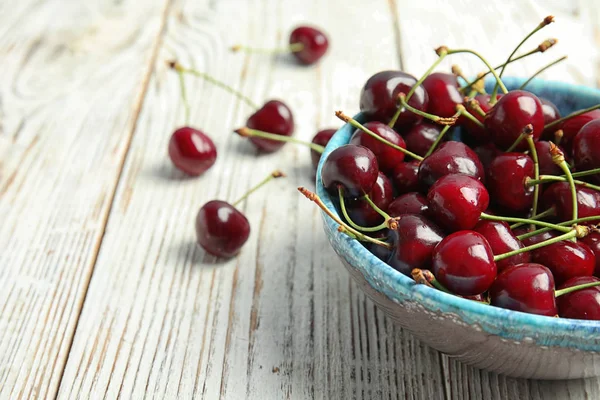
x=512, y=325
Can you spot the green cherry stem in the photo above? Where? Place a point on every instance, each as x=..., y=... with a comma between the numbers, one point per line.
x=468, y=115
x=354, y=225
x=528, y=130
x=548, y=213
x=446, y=128
x=552, y=178
x=434, y=118
x=369, y=132
x=475, y=106
x=572, y=289
x=247, y=132
x=536, y=172
x=426, y=277
x=558, y=158
x=585, y=173
x=566, y=223
x=442, y=52
x=525, y=221
x=487, y=64
x=186, y=104
x=572, y=234
x=553, y=63
x=576, y=113
x=343, y=227
x=275, y=174
x=292, y=48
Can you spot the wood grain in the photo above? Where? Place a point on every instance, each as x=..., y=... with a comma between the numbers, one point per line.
x=73, y=77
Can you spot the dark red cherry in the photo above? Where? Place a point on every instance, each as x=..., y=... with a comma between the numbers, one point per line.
x=420, y=137
x=506, y=181
x=315, y=44
x=442, y=90
x=404, y=177
x=409, y=203
x=509, y=117
x=566, y=259
x=571, y=127
x=362, y=213
x=547, y=166
x=379, y=97
x=486, y=153
x=525, y=287
x=581, y=304
x=535, y=239
x=192, y=151
x=558, y=195
x=221, y=229
x=476, y=132
x=414, y=241
x=383, y=253
x=274, y=117
x=450, y=158
x=586, y=148
x=464, y=263
x=387, y=157
x=351, y=167
x=550, y=111
x=502, y=240
x=321, y=138
x=593, y=241
x=456, y=202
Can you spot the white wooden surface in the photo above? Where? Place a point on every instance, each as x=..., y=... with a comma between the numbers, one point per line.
x=105, y=295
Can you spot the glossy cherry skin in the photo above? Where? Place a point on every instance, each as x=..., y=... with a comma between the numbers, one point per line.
x=476, y=132
x=571, y=127
x=502, y=240
x=405, y=177
x=581, y=304
x=314, y=41
x=414, y=241
x=593, y=242
x=550, y=111
x=547, y=166
x=450, y=158
x=558, y=195
x=442, y=90
x=506, y=181
x=321, y=138
x=362, y=213
x=510, y=115
x=525, y=287
x=352, y=167
x=192, y=151
x=420, y=137
x=566, y=260
x=387, y=157
x=379, y=97
x=464, y=263
x=586, y=149
x=274, y=117
x=409, y=203
x=221, y=229
x=456, y=202
x=540, y=237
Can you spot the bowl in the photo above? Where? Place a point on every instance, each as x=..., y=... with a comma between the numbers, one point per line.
x=503, y=341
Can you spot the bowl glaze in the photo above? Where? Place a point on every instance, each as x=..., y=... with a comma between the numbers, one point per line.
x=503, y=341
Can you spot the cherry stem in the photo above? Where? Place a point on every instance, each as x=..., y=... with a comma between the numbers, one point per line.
x=553, y=63
x=442, y=52
x=343, y=227
x=456, y=70
x=487, y=64
x=186, y=104
x=273, y=175
x=572, y=289
x=468, y=115
x=565, y=236
x=548, y=213
x=527, y=130
x=292, y=48
x=354, y=225
x=586, y=173
x=434, y=118
x=247, y=132
x=443, y=133
x=182, y=70
x=552, y=178
x=576, y=113
x=426, y=277
x=566, y=223
x=525, y=221
x=369, y=132
x=536, y=172
x=419, y=277
x=475, y=106
x=558, y=158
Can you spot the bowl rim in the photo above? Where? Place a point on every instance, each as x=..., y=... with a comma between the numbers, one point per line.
x=437, y=300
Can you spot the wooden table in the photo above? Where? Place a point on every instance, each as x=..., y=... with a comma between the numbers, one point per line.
x=104, y=292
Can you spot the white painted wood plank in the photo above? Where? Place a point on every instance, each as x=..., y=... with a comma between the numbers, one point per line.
x=73, y=76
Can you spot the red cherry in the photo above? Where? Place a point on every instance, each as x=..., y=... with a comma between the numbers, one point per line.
x=379, y=97
x=361, y=212
x=383, y=253
x=192, y=151
x=586, y=148
x=509, y=117
x=550, y=111
x=456, y=202
x=404, y=177
x=314, y=44
x=321, y=138
x=414, y=241
x=558, y=195
x=547, y=166
x=506, y=181
x=571, y=127
x=476, y=132
x=566, y=259
x=274, y=117
x=525, y=287
x=387, y=157
x=450, y=158
x=593, y=241
x=502, y=240
x=442, y=90
x=420, y=137
x=581, y=304
x=486, y=153
x=352, y=167
x=464, y=263
x=221, y=229
x=540, y=237
x=409, y=203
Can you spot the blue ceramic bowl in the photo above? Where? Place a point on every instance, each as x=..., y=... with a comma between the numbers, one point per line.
x=508, y=342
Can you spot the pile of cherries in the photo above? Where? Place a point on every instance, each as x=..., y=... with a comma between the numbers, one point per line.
x=506, y=216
